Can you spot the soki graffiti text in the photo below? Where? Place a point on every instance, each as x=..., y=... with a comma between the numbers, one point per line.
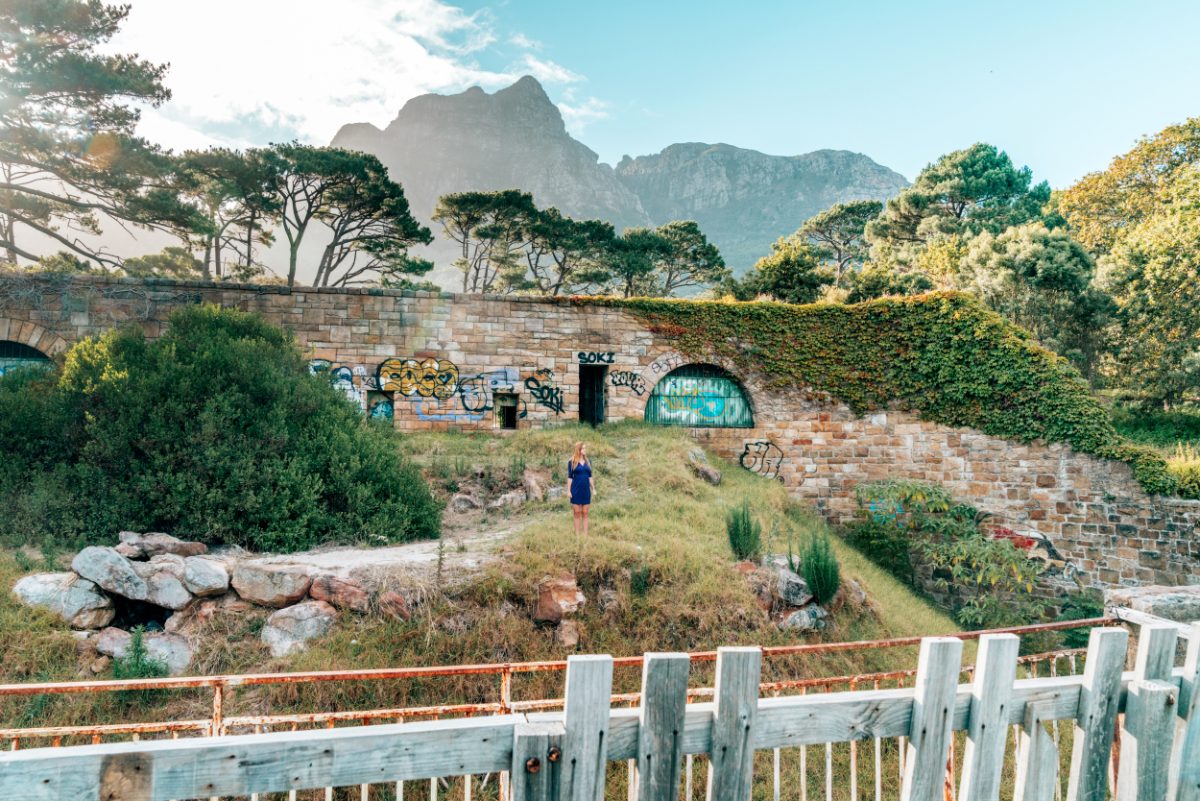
x=544, y=392
x=762, y=457
x=597, y=357
x=630, y=379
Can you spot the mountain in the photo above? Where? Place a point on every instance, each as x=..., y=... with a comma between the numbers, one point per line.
x=515, y=138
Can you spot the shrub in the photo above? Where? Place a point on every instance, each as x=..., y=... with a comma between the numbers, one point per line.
x=745, y=533
x=820, y=568
x=1184, y=465
x=137, y=663
x=215, y=431
x=641, y=579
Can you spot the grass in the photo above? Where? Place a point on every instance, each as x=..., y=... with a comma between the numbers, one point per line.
x=657, y=571
x=1175, y=433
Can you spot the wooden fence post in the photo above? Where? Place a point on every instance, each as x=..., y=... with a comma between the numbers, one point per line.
x=934, y=692
x=1147, y=734
x=660, y=735
x=535, y=766
x=987, y=729
x=731, y=763
x=1037, y=765
x=585, y=741
x=1095, y=719
x=1188, y=708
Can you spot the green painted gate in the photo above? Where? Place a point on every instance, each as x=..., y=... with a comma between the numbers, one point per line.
x=699, y=396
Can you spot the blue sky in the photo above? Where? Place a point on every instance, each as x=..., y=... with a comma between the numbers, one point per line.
x=1062, y=86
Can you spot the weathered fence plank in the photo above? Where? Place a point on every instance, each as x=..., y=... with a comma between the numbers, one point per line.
x=586, y=718
x=987, y=726
x=1095, y=720
x=934, y=696
x=535, y=773
x=660, y=735
x=1188, y=708
x=1149, y=726
x=731, y=763
x=1037, y=765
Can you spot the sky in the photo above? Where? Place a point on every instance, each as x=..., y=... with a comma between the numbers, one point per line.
x=1061, y=85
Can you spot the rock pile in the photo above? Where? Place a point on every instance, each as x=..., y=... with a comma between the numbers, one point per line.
x=175, y=586
x=785, y=596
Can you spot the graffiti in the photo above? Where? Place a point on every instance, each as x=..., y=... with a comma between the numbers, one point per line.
x=667, y=363
x=448, y=410
x=1040, y=549
x=428, y=378
x=762, y=457
x=381, y=409
x=597, y=357
x=475, y=393
x=352, y=381
x=690, y=399
x=541, y=386
x=630, y=379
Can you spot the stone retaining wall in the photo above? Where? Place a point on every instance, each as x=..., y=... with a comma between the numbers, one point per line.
x=439, y=361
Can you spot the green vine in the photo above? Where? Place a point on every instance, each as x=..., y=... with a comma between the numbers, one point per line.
x=941, y=355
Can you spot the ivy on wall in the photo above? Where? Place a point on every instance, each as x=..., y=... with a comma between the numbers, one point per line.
x=941, y=355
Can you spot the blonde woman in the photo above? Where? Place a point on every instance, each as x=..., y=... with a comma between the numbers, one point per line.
x=580, y=487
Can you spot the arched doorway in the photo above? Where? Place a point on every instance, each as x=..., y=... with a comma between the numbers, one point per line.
x=14, y=355
x=699, y=396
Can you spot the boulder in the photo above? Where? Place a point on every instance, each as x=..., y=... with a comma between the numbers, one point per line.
x=557, y=597
x=698, y=461
x=76, y=600
x=534, y=484
x=464, y=503
x=289, y=630
x=205, y=577
x=172, y=650
x=810, y=618
x=509, y=500
x=567, y=634
x=793, y=590
x=554, y=493
x=156, y=543
x=111, y=572
x=128, y=551
x=340, y=592
x=1180, y=604
x=271, y=585
x=393, y=604
x=163, y=575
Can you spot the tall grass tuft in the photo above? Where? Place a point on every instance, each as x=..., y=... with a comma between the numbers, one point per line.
x=1184, y=464
x=820, y=567
x=745, y=533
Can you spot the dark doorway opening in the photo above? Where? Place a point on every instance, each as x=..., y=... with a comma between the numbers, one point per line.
x=591, y=393
x=506, y=409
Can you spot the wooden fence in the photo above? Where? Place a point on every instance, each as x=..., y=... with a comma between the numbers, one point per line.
x=1139, y=726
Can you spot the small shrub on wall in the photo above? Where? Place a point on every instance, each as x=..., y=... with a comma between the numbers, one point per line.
x=214, y=431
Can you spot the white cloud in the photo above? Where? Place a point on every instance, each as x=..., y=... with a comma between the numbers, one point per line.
x=577, y=115
x=548, y=71
x=252, y=71
x=524, y=42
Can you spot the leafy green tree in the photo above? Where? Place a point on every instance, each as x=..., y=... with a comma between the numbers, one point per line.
x=840, y=231
x=63, y=262
x=879, y=280
x=1040, y=279
x=1103, y=207
x=564, y=255
x=1151, y=274
x=490, y=229
x=170, y=262
x=68, y=108
x=632, y=259
x=794, y=272
x=692, y=260
x=961, y=194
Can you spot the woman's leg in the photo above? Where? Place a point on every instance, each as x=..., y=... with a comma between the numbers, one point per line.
x=585, y=518
x=578, y=511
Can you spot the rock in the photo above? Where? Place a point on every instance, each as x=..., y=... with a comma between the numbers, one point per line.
x=111, y=571
x=810, y=618
x=156, y=543
x=163, y=575
x=567, y=634
x=854, y=593
x=205, y=577
x=607, y=598
x=99, y=665
x=464, y=503
x=271, y=585
x=554, y=493
x=509, y=500
x=340, y=592
x=76, y=600
x=289, y=630
x=792, y=589
x=534, y=484
x=172, y=650
x=1180, y=604
x=557, y=597
x=393, y=604
x=698, y=461
x=128, y=551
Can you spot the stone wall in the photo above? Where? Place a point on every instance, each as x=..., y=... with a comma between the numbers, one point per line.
x=437, y=361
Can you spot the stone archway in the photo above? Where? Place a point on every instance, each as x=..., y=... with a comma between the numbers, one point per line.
x=33, y=335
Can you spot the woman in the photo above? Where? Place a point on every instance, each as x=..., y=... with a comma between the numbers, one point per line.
x=580, y=487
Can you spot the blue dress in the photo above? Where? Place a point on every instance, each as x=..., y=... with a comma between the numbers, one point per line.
x=581, y=483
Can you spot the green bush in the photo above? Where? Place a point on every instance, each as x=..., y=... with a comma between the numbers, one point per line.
x=215, y=431
x=1157, y=427
x=641, y=579
x=821, y=568
x=137, y=663
x=941, y=355
x=745, y=533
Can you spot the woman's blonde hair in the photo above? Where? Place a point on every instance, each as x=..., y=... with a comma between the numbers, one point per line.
x=577, y=455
